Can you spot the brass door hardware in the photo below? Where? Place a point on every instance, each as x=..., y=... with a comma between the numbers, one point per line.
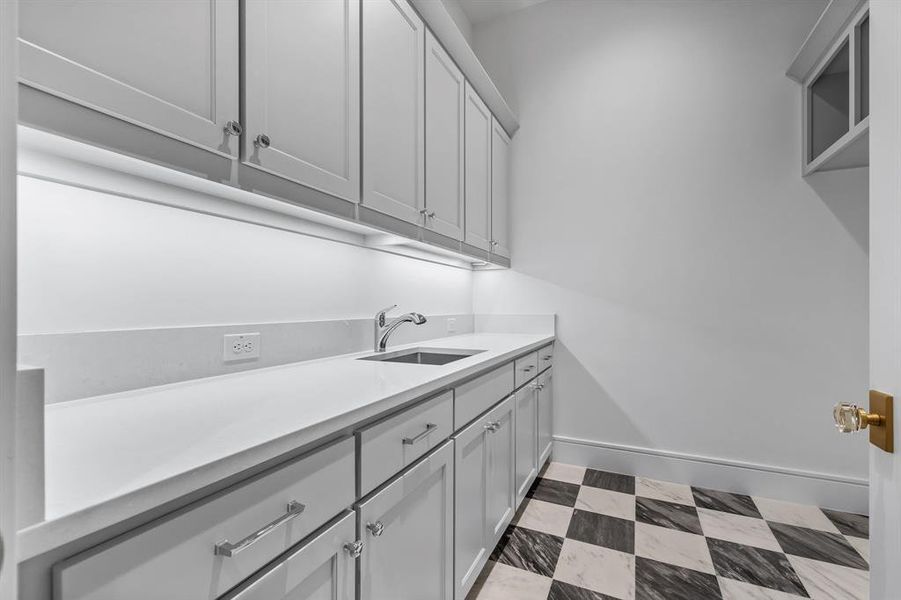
x=850, y=418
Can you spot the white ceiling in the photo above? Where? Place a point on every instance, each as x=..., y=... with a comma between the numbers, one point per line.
x=481, y=11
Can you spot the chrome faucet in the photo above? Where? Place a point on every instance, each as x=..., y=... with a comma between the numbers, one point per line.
x=383, y=329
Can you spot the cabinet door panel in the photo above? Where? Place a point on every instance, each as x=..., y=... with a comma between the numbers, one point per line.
x=501, y=465
x=167, y=66
x=445, y=92
x=478, y=171
x=471, y=546
x=545, y=416
x=412, y=556
x=302, y=90
x=321, y=569
x=500, y=192
x=393, y=108
x=526, y=439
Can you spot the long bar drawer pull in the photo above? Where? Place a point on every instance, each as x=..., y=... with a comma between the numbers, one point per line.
x=429, y=427
x=226, y=548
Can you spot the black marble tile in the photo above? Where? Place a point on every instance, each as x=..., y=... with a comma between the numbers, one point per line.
x=609, y=481
x=558, y=492
x=661, y=581
x=602, y=530
x=819, y=545
x=765, y=568
x=737, y=504
x=566, y=591
x=667, y=514
x=849, y=523
x=529, y=550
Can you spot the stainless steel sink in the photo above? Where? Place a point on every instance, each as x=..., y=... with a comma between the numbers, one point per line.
x=423, y=356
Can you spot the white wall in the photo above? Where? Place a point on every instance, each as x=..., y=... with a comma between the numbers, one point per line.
x=710, y=301
x=93, y=261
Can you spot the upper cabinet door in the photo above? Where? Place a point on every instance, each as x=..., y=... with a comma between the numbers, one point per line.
x=393, y=109
x=478, y=171
x=445, y=90
x=500, y=190
x=302, y=92
x=171, y=67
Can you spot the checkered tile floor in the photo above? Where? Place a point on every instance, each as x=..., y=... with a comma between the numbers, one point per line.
x=590, y=535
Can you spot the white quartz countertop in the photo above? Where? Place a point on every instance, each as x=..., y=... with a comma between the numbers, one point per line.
x=113, y=457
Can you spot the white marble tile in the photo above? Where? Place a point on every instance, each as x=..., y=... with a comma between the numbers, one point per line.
x=545, y=516
x=606, y=502
x=801, y=515
x=504, y=582
x=732, y=589
x=738, y=529
x=862, y=546
x=597, y=568
x=673, y=547
x=564, y=472
x=825, y=581
x=664, y=490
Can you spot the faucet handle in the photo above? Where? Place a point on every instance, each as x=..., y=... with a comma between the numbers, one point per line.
x=380, y=315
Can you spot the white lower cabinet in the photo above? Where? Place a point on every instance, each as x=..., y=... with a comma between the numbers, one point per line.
x=320, y=569
x=407, y=530
x=526, y=438
x=545, y=415
x=484, y=491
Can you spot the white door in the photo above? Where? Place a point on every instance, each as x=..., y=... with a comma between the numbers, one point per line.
x=8, y=95
x=407, y=531
x=302, y=91
x=393, y=109
x=445, y=91
x=545, y=416
x=500, y=191
x=501, y=460
x=167, y=66
x=471, y=547
x=478, y=171
x=885, y=288
x=526, y=438
x=321, y=569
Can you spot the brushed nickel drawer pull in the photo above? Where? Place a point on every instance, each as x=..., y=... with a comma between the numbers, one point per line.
x=226, y=548
x=429, y=427
x=547, y=357
x=527, y=369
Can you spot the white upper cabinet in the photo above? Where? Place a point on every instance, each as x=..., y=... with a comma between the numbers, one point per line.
x=500, y=190
x=393, y=108
x=171, y=67
x=302, y=92
x=478, y=171
x=445, y=92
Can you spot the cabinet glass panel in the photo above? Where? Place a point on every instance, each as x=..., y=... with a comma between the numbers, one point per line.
x=863, y=70
x=830, y=103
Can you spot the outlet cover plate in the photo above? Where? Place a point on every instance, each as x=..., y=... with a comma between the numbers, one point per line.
x=240, y=347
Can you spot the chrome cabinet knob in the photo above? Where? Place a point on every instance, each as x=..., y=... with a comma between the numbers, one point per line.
x=493, y=243
x=493, y=426
x=355, y=549
x=233, y=128
x=431, y=214
x=376, y=528
x=262, y=141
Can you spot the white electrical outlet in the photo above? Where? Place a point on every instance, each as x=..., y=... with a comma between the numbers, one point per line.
x=241, y=346
x=452, y=325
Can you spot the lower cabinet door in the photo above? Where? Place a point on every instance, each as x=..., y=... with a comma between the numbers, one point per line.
x=526, y=439
x=545, y=416
x=320, y=569
x=407, y=530
x=471, y=547
x=501, y=461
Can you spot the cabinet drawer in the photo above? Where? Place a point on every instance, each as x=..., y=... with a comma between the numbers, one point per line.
x=174, y=558
x=546, y=357
x=390, y=445
x=526, y=368
x=475, y=397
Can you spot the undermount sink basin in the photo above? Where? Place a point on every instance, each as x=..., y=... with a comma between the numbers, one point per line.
x=423, y=356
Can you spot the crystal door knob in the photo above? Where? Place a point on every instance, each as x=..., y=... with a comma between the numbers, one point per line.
x=850, y=418
x=233, y=128
x=376, y=528
x=262, y=141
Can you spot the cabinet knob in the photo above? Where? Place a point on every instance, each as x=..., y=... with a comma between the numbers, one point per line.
x=493, y=243
x=355, y=549
x=233, y=128
x=376, y=528
x=431, y=214
x=493, y=426
x=262, y=141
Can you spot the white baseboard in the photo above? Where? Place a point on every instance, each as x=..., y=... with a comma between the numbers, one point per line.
x=807, y=487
